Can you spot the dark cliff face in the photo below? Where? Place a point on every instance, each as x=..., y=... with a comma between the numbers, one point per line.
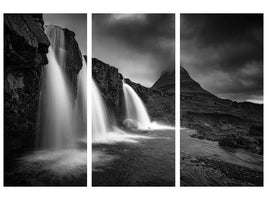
x=217, y=119
x=160, y=104
x=25, y=49
x=109, y=82
x=74, y=58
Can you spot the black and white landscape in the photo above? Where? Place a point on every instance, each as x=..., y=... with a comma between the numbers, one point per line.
x=133, y=105
x=45, y=110
x=221, y=100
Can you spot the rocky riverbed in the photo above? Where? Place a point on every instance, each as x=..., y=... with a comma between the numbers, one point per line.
x=206, y=163
x=233, y=124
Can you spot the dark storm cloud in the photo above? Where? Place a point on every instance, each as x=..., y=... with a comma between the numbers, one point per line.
x=145, y=34
x=224, y=52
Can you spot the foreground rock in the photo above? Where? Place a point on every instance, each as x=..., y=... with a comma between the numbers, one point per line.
x=130, y=124
x=238, y=141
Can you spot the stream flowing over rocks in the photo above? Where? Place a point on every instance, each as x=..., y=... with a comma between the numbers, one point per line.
x=223, y=140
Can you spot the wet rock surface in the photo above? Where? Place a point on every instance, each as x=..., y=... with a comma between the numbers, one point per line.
x=74, y=60
x=201, y=171
x=109, y=82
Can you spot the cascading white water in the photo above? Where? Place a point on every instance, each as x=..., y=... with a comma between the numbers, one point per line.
x=57, y=153
x=99, y=115
x=56, y=109
x=103, y=130
x=80, y=111
x=135, y=109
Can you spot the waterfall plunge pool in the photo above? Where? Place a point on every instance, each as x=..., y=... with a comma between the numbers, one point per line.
x=148, y=161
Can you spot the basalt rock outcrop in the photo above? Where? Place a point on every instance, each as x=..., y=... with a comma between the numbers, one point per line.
x=160, y=104
x=233, y=124
x=109, y=82
x=25, y=49
x=74, y=60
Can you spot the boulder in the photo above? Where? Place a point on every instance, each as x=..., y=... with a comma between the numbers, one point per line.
x=130, y=124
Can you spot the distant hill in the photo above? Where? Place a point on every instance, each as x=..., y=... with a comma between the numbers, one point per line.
x=166, y=82
x=218, y=119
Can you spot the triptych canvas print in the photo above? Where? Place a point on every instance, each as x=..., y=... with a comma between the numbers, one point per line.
x=132, y=85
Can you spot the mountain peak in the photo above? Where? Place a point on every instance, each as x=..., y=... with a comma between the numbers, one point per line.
x=188, y=85
x=166, y=82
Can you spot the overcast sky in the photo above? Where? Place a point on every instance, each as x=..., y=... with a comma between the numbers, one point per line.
x=141, y=46
x=224, y=53
x=74, y=22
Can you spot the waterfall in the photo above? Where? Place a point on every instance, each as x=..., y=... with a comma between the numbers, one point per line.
x=136, y=112
x=99, y=115
x=103, y=130
x=61, y=124
x=80, y=110
x=56, y=109
x=135, y=108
